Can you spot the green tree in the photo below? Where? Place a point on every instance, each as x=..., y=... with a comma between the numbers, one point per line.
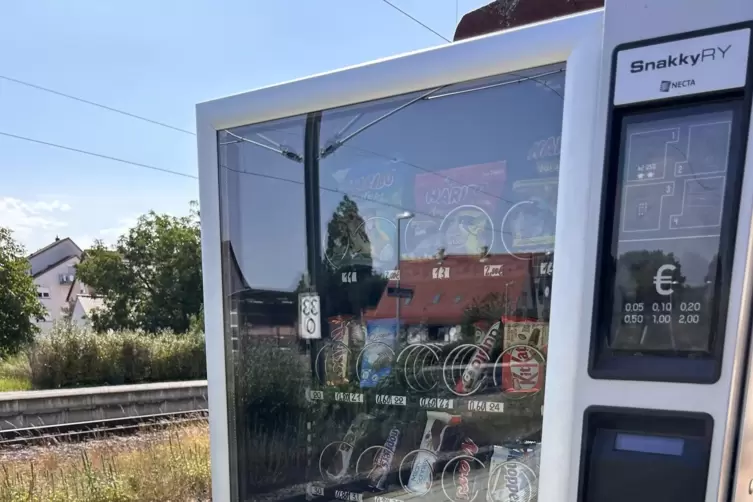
x=151, y=279
x=348, y=249
x=19, y=305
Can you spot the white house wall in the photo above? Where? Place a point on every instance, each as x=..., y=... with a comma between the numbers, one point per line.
x=58, y=292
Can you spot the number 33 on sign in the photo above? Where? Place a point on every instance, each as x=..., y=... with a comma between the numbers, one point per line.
x=309, y=320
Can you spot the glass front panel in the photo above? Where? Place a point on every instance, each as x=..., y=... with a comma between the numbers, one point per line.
x=414, y=235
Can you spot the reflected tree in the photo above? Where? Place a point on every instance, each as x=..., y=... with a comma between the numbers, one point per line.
x=637, y=272
x=349, y=283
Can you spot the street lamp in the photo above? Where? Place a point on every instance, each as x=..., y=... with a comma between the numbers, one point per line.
x=507, y=299
x=405, y=215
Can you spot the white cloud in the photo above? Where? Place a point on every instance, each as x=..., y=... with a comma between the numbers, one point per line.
x=122, y=227
x=33, y=223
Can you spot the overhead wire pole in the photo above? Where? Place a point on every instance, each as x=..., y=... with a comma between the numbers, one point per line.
x=311, y=156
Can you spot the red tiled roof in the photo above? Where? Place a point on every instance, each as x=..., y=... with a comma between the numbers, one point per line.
x=467, y=282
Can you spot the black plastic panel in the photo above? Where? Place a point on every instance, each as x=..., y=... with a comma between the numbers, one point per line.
x=646, y=455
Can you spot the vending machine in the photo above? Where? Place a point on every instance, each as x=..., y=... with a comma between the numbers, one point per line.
x=514, y=268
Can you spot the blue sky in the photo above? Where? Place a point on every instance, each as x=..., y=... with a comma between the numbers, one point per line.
x=158, y=59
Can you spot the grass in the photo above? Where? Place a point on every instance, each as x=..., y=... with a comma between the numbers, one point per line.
x=10, y=384
x=15, y=374
x=167, y=466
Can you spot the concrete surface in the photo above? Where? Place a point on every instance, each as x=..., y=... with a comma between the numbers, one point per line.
x=55, y=407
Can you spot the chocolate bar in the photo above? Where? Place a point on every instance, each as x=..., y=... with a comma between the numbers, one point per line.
x=340, y=462
x=383, y=460
x=422, y=472
x=463, y=489
x=465, y=386
x=337, y=359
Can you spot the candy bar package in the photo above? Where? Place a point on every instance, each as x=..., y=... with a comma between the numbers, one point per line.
x=383, y=460
x=432, y=442
x=528, y=226
x=522, y=371
x=469, y=379
x=525, y=332
x=513, y=475
x=337, y=356
x=337, y=457
x=455, y=209
x=378, y=354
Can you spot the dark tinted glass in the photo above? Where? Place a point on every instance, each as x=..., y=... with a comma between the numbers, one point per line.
x=423, y=226
x=666, y=281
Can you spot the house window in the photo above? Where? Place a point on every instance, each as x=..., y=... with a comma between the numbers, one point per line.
x=437, y=297
x=458, y=298
x=43, y=292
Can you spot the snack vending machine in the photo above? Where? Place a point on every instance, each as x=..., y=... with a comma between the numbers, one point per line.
x=383, y=317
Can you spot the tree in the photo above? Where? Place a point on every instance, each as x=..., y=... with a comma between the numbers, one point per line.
x=19, y=305
x=348, y=250
x=151, y=279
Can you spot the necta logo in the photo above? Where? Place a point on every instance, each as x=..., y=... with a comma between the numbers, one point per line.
x=666, y=85
x=681, y=59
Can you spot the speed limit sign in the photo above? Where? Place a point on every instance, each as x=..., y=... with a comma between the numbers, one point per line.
x=309, y=324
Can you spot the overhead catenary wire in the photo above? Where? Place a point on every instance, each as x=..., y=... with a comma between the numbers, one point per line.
x=99, y=155
x=98, y=105
x=338, y=191
x=416, y=21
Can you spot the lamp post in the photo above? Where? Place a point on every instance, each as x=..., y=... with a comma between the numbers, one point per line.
x=405, y=215
x=507, y=299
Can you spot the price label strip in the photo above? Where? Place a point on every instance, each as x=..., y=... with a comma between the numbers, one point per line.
x=391, y=400
x=346, y=495
x=348, y=397
x=314, y=395
x=314, y=491
x=486, y=406
x=436, y=403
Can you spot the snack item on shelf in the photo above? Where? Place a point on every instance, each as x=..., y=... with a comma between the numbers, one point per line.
x=455, y=208
x=422, y=472
x=512, y=475
x=528, y=226
x=525, y=332
x=383, y=460
x=379, y=353
x=463, y=487
x=479, y=330
x=522, y=370
x=356, y=333
x=337, y=358
x=373, y=241
x=468, y=380
x=340, y=462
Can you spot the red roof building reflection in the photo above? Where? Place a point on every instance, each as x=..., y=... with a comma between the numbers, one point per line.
x=443, y=290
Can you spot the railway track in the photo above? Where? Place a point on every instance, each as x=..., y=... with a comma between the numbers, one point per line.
x=78, y=431
x=71, y=414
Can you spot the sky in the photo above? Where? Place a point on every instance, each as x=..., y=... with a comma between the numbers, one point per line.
x=157, y=60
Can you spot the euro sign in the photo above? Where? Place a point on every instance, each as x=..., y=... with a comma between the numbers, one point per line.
x=663, y=282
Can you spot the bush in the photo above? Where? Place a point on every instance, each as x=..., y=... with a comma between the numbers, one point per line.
x=70, y=356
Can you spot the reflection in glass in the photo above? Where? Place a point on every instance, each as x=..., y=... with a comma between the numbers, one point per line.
x=431, y=253
x=674, y=175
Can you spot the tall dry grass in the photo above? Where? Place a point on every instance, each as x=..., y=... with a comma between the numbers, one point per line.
x=15, y=373
x=172, y=466
x=71, y=356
